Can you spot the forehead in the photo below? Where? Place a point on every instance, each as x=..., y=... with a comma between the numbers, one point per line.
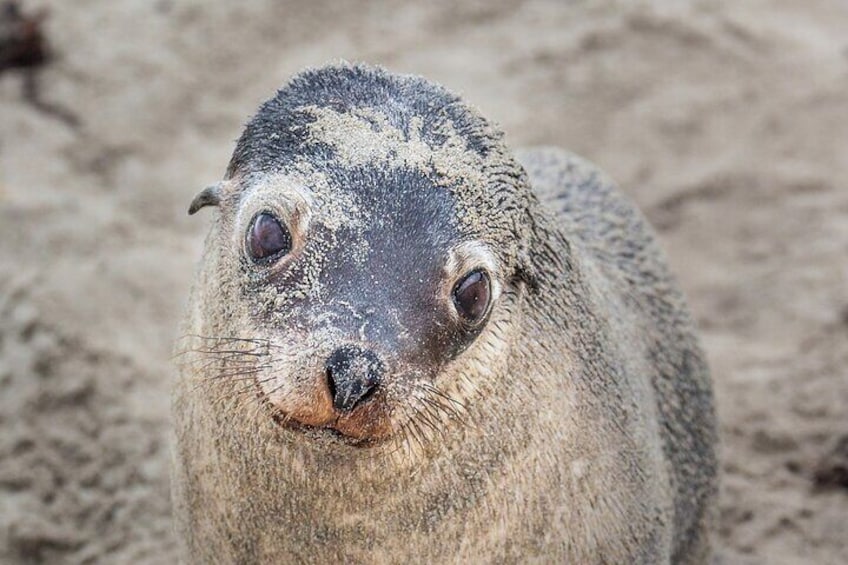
x=355, y=118
x=357, y=114
x=393, y=207
x=399, y=237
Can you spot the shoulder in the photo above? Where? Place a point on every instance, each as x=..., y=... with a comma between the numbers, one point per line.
x=588, y=206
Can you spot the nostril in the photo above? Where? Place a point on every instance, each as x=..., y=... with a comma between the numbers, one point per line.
x=331, y=384
x=353, y=375
x=369, y=389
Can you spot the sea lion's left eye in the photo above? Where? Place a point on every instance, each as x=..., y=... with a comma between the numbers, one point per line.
x=471, y=296
x=267, y=238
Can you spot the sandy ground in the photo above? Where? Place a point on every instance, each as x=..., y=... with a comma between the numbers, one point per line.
x=726, y=121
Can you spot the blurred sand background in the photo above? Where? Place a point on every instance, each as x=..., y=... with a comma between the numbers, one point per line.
x=726, y=121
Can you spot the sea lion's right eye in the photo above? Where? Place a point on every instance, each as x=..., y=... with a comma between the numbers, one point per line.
x=267, y=238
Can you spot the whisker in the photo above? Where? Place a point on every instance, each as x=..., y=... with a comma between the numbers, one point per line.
x=264, y=342
x=431, y=388
x=235, y=377
x=445, y=402
x=439, y=406
x=425, y=418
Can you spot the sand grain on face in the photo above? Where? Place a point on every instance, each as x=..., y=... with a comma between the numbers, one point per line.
x=725, y=122
x=365, y=136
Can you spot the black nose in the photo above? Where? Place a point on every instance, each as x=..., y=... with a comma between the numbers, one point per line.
x=353, y=374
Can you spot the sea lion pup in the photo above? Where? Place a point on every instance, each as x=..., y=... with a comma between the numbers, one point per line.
x=406, y=345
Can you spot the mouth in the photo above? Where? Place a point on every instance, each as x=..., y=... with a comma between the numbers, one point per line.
x=325, y=433
x=367, y=426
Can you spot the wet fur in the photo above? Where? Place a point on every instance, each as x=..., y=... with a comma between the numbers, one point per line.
x=577, y=427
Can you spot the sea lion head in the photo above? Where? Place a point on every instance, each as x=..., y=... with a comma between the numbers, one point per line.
x=371, y=243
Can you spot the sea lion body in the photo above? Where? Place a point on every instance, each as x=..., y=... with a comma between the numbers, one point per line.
x=572, y=422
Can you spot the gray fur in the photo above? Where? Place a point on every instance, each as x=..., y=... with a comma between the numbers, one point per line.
x=575, y=426
x=209, y=196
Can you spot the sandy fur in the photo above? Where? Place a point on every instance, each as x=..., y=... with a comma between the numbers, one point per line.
x=558, y=447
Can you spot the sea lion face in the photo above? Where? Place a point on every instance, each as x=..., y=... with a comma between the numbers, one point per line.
x=373, y=227
x=364, y=286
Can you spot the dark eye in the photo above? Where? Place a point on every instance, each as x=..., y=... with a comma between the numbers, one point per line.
x=471, y=296
x=267, y=238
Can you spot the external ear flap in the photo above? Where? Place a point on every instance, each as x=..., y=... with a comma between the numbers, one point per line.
x=526, y=273
x=209, y=196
